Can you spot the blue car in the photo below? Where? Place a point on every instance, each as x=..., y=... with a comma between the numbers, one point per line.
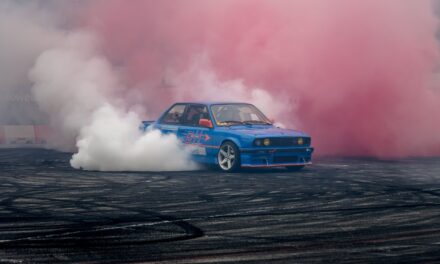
x=234, y=135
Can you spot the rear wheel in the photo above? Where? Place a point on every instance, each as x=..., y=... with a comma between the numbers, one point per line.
x=228, y=157
x=294, y=168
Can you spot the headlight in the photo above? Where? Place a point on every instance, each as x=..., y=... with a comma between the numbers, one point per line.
x=300, y=141
x=257, y=142
x=266, y=142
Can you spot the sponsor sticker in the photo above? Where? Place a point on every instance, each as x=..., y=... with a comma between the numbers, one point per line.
x=200, y=151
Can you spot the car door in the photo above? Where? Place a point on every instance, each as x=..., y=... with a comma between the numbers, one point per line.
x=191, y=133
x=172, y=119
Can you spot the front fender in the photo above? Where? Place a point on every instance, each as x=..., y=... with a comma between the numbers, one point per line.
x=240, y=141
x=234, y=140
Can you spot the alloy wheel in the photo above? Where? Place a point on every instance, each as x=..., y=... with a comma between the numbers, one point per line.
x=226, y=157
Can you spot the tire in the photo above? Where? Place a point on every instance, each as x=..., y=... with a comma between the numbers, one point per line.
x=294, y=168
x=228, y=157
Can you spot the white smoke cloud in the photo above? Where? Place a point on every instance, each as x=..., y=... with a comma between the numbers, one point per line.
x=25, y=31
x=71, y=81
x=113, y=142
x=21, y=28
x=79, y=89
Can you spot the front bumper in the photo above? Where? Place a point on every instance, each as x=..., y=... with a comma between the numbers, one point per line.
x=276, y=157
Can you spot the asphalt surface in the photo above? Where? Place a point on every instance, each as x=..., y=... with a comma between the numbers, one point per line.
x=336, y=211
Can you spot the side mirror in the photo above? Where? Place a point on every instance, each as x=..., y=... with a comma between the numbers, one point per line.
x=205, y=123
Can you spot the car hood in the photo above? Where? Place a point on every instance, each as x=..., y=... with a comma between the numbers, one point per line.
x=263, y=131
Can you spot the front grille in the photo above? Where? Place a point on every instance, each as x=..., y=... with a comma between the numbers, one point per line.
x=289, y=142
x=269, y=151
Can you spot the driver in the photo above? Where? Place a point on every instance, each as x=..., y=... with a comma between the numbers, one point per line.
x=194, y=115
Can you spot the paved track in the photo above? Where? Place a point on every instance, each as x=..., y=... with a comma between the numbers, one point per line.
x=339, y=210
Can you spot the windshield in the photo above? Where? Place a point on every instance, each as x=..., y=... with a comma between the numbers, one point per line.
x=238, y=114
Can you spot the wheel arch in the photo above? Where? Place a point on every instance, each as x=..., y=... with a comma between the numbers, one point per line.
x=233, y=140
x=237, y=161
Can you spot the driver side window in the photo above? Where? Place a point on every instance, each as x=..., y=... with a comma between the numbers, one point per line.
x=174, y=115
x=194, y=114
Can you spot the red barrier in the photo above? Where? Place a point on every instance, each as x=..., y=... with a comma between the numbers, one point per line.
x=2, y=136
x=42, y=134
x=24, y=135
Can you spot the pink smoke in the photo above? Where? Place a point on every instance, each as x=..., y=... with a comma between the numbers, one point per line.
x=361, y=73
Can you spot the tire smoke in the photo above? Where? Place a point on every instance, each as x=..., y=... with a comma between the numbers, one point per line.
x=80, y=90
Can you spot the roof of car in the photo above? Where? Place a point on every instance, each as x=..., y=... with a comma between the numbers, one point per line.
x=211, y=102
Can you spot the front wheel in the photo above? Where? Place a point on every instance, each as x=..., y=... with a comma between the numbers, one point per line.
x=228, y=157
